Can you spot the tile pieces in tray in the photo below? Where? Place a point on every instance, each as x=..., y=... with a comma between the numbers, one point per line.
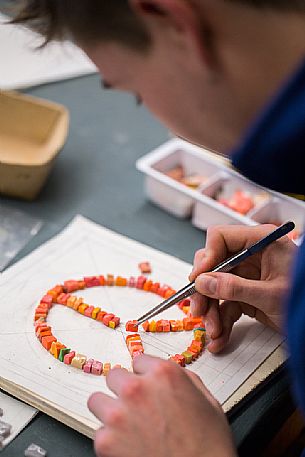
x=189, y=181
x=193, y=180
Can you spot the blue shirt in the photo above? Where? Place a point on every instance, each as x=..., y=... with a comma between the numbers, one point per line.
x=273, y=155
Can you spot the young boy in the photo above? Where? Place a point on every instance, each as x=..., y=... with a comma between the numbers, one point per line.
x=209, y=69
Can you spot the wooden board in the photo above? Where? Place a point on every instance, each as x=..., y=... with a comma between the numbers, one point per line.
x=32, y=375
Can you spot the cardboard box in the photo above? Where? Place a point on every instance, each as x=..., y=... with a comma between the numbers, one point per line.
x=32, y=133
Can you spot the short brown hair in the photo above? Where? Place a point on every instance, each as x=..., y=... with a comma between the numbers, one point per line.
x=288, y=5
x=85, y=21
x=90, y=21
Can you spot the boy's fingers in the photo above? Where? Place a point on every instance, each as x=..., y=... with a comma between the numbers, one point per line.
x=209, y=309
x=100, y=405
x=202, y=262
x=222, y=241
x=213, y=323
x=145, y=363
x=230, y=312
x=195, y=379
x=199, y=305
x=117, y=379
x=226, y=286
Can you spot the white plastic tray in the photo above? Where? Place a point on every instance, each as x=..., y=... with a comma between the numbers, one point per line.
x=199, y=204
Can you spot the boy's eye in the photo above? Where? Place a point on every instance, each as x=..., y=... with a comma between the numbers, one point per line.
x=139, y=100
x=105, y=84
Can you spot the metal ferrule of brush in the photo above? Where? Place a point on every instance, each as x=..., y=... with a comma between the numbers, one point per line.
x=186, y=292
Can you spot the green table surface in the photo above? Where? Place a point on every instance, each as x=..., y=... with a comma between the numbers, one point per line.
x=95, y=176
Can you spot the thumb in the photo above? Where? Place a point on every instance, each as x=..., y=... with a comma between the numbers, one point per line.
x=225, y=286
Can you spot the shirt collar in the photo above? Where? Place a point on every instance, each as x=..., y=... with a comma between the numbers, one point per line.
x=273, y=150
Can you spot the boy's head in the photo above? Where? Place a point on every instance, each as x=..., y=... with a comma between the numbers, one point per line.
x=204, y=67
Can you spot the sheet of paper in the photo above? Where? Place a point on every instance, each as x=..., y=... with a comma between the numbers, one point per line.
x=17, y=414
x=85, y=249
x=23, y=65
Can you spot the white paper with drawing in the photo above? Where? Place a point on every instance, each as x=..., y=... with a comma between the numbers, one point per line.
x=85, y=249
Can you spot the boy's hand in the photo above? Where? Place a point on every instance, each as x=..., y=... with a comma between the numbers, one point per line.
x=257, y=287
x=162, y=410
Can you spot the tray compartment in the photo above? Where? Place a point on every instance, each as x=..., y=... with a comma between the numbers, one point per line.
x=281, y=210
x=169, y=197
x=191, y=164
x=225, y=187
x=168, y=193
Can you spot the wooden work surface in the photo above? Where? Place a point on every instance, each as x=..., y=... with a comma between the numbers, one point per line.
x=86, y=427
x=86, y=247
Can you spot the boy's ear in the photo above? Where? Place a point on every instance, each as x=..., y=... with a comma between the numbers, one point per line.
x=183, y=16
